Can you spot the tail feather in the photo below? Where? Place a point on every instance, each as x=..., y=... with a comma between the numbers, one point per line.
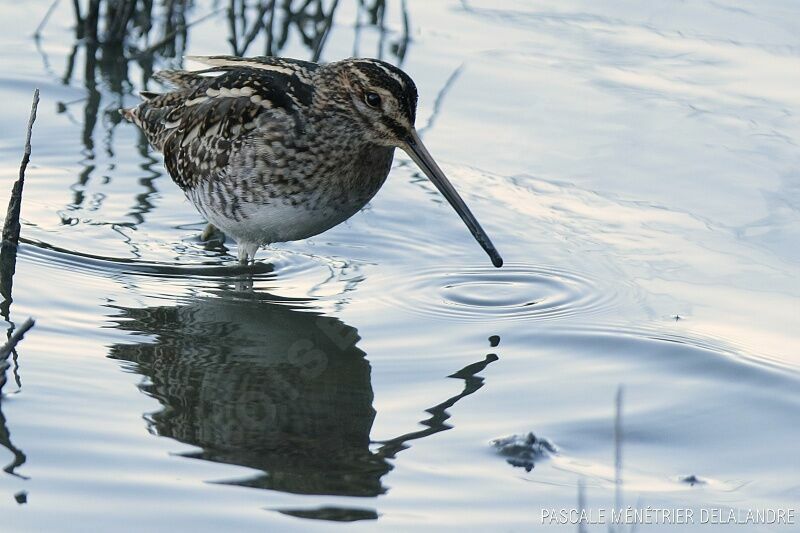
x=179, y=78
x=127, y=113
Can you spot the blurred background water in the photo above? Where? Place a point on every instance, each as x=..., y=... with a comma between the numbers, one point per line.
x=636, y=164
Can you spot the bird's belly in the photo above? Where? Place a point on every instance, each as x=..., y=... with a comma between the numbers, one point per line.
x=279, y=219
x=281, y=222
x=257, y=208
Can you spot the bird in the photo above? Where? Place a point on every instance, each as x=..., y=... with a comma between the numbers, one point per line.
x=273, y=149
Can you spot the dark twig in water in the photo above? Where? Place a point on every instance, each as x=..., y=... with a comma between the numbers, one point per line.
x=8, y=348
x=76, y=7
x=89, y=26
x=5, y=435
x=402, y=46
x=11, y=227
x=5, y=441
x=169, y=38
x=439, y=415
x=15, y=337
x=322, y=35
x=618, y=451
x=258, y=24
x=46, y=17
x=581, y=503
x=269, y=29
x=233, y=38
x=437, y=104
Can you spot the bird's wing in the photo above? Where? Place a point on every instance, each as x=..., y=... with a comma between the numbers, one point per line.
x=283, y=65
x=207, y=119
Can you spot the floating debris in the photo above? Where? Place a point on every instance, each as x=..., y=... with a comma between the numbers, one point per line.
x=335, y=514
x=522, y=450
x=693, y=480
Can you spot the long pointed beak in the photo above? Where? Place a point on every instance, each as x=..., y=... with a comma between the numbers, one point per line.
x=425, y=162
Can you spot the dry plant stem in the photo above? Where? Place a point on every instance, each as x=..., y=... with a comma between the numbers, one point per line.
x=11, y=227
x=8, y=348
x=15, y=337
x=46, y=17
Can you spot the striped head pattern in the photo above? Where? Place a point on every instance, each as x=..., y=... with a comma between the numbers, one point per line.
x=380, y=95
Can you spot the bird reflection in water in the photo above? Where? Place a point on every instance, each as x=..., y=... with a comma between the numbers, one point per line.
x=270, y=384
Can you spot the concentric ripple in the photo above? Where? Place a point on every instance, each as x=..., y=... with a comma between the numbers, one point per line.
x=515, y=292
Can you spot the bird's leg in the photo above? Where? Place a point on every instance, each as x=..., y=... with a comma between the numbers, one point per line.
x=247, y=256
x=247, y=252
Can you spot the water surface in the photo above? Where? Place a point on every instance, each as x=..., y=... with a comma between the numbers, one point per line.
x=636, y=165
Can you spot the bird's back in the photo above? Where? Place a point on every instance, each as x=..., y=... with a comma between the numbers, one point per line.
x=204, y=121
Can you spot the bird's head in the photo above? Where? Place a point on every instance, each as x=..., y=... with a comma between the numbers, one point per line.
x=380, y=96
x=382, y=101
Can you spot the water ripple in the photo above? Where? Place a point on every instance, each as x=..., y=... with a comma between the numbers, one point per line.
x=290, y=273
x=49, y=254
x=516, y=292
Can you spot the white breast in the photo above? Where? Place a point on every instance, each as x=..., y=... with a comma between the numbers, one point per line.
x=278, y=221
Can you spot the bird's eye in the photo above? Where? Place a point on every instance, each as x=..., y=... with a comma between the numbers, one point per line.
x=373, y=99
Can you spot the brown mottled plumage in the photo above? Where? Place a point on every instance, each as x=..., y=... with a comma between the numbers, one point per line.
x=271, y=149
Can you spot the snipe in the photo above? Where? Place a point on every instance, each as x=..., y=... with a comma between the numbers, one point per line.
x=271, y=149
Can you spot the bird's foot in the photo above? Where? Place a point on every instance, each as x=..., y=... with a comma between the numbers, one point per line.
x=212, y=233
x=247, y=253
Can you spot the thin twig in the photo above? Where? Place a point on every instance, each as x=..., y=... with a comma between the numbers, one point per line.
x=5, y=436
x=581, y=503
x=402, y=46
x=437, y=104
x=617, y=452
x=323, y=35
x=11, y=227
x=15, y=337
x=270, y=25
x=46, y=17
x=233, y=39
x=9, y=346
x=91, y=21
x=76, y=7
x=258, y=25
x=169, y=37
